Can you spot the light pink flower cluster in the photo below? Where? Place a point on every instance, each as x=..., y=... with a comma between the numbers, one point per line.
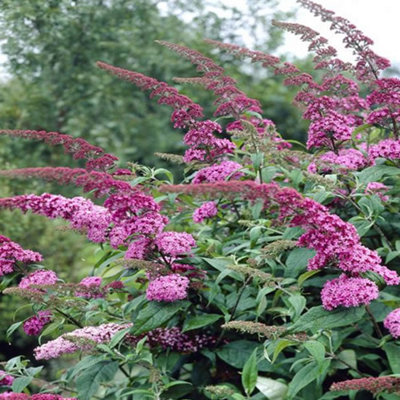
x=5, y=379
x=93, y=284
x=168, y=288
x=38, y=396
x=219, y=172
x=174, y=244
x=39, y=277
x=11, y=252
x=387, y=148
x=80, y=212
x=92, y=335
x=392, y=323
x=139, y=248
x=205, y=211
x=377, y=188
x=347, y=158
x=348, y=292
x=388, y=384
x=14, y=396
x=34, y=325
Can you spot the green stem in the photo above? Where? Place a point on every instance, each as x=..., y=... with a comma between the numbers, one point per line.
x=71, y=319
x=376, y=326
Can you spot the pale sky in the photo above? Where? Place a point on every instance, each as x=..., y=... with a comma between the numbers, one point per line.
x=377, y=19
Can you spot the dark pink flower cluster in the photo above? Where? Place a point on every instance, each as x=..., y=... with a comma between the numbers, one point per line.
x=204, y=145
x=327, y=130
x=133, y=214
x=205, y=211
x=392, y=323
x=34, y=325
x=168, y=288
x=5, y=379
x=175, y=340
x=79, y=147
x=92, y=335
x=11, y=252
x=219, y=172
x=388, y=384
x=80, y=212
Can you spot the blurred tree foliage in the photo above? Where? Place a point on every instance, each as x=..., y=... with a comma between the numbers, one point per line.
x=52, y=47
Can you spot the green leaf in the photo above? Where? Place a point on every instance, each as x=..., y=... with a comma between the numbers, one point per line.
x=236, y=354
x=297, y=261
x=13, y=328
x=52, y=327
x=392, y=351
x=350, y=358
x=316, y=349
x=155, y=314
x=218, y=263
x=199, y=321
x=177, y=389
x=21, y=383
x=249, y=373
x=302, y=378
x=375, y=173
x=89, y=381
x=306, y=275
x=279, y=346
x=118, y=337
x=318, y=318
x=83, y=364
x=272, y=389
x=298, y=302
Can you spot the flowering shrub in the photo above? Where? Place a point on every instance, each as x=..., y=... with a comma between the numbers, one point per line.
x=270, y=272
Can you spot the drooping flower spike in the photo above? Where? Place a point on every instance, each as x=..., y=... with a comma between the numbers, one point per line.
x=80, y=148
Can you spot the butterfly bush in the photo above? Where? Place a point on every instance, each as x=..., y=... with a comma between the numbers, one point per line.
x=267, y=254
